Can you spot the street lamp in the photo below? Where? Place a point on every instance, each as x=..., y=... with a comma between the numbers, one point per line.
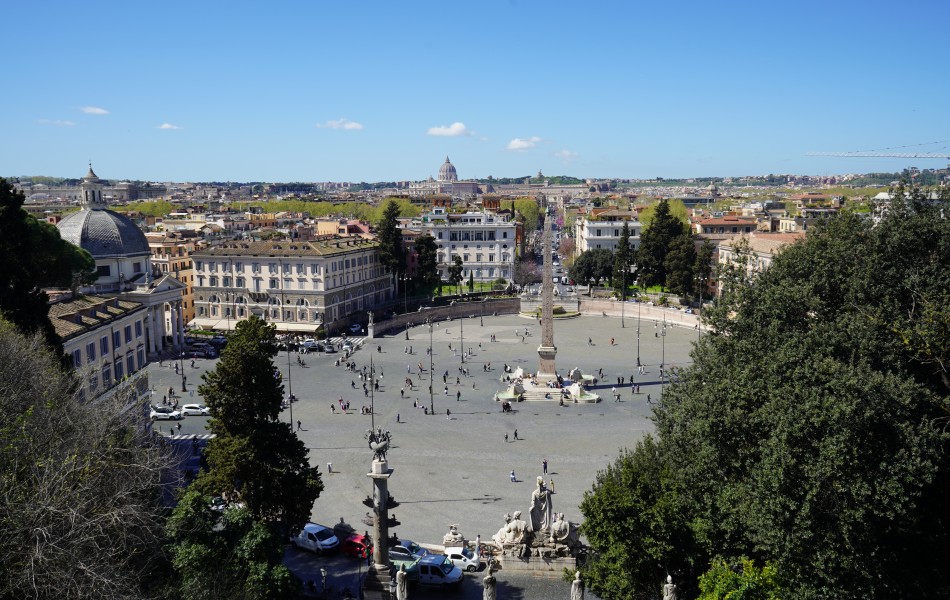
x=623, y=297
x=431, y=400
x=462, y=336
x=663, y=359
x=372, y=386
x=290, y=394
x=638, y=321
x=405, y=292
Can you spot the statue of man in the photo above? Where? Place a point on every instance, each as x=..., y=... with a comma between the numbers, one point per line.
x=402, y=586
x=669, y=590
x=540, y=513
x=577, y=587
x=488, y=584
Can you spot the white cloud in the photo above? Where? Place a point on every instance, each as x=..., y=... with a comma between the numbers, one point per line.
x=521, y=145
x=94, y=110
x=341, y=124
x=59, y=122
x=168, y=126
x=566, y=156
x=454, y=130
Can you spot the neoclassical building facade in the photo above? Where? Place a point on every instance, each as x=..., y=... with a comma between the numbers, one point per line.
x=296, y=285
x=124, y=267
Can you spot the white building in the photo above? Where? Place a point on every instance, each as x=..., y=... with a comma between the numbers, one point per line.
x=105, y=337
x=603, y=231
x=123, y=263
x=484, y=241
x=298, y=286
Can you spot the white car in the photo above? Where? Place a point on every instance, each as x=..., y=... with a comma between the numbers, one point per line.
x=463, y=558
x=195, y=409
x=315, y=538
x=165, y=413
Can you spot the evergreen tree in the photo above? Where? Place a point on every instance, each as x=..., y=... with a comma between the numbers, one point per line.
x=428, y=267
x=455, y=272
x=656, y=241
x=255, y=454
x=34, y=257
x=391, y=251
x=471, y=282
x=623, y=258
x=679, y=264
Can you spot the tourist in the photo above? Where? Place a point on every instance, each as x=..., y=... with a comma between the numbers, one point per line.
x=513, y=476
x=506, y=438
x=544, y=466
x=516, y=434
x=448, y=414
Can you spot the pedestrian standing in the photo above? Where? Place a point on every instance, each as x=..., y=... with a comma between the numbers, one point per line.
x=512, y=476
x=179, y=427
x=506, y=438
x=516, y=434
x=448, y=414
x=458, y=395
x=544, y=466
x=329, y=467
x=397, y=417
x=299, y=425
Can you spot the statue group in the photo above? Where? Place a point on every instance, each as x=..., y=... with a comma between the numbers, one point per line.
x=545, y=534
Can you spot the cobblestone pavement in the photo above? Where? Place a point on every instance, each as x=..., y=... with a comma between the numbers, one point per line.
x=456, y=469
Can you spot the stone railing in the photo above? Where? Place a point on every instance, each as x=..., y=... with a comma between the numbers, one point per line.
x=500, y=306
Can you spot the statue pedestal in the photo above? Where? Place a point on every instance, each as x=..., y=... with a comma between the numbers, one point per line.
x=377, y=577
x=546, y=365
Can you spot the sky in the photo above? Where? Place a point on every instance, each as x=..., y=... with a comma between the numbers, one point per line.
x=384, y=91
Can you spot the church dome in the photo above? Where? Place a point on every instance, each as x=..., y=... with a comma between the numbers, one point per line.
x=447, y=171
x=104, y=234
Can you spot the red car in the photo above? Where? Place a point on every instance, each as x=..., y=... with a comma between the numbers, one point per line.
x=357, y=546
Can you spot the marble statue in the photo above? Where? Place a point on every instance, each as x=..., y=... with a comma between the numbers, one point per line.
x=402, y=585
x=563, y=531
x=488, y=584
x=370, y=318
x=541, y=508
x=669, y=590
x=516, y=528
x=453, y=537
x=378, y=442
x=499, y=538
x=577, y=587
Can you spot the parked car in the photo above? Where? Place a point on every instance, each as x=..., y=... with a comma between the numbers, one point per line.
x=219, y=342
x=315, y=538
x=328, y=348
x=438, y=570
x=356, y=328
x=310, y=345
x=463, y=558
x=165, y=413
x=205, y=352
x=406, y=550
x=357, y=546
x=195, y=409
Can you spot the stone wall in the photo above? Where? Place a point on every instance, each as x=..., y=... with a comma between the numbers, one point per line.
x=501, y=306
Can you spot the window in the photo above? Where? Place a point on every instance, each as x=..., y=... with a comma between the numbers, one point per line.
x=77, y=358
x=118, y=370
x=103, y=271
x=93, y=382
x=273, y=284
x=504, y=235
x=90, y=352
x=107, y=375
x=198, y=265
x=116, y=339
x=240, y=282
x=138, y=329
x=137, y=267
x=256, y=267
x=226, y=281
x=239, y=266
x=491, y=258
x=128, y=334
x=213, y=281
x=130, y=363
x=104, y=345
x=272, y=268
x=140, y=355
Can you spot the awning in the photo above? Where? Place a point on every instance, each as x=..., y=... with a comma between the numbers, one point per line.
x=301, y=327
x=205, y=323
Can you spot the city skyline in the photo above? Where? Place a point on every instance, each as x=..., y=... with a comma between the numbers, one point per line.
x=215, y=92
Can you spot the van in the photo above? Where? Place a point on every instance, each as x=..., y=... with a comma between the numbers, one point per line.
x=436, y=569
x=315, y=538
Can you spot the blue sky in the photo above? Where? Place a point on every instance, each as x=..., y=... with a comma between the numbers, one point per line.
x=381, y=91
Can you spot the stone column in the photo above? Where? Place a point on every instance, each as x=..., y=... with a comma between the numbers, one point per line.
x=174, y=324
x=150, y=328
x=547, y=351
x=377, y=578
x=181, y=323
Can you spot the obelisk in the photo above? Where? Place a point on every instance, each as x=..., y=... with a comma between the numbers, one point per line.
x=547, y=351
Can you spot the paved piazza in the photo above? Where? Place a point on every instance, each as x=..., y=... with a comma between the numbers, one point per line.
x=457, y=470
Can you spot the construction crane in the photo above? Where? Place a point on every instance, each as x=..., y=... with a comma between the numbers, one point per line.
x=892, y=152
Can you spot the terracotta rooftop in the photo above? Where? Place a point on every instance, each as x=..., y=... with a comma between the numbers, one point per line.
x=73, y=317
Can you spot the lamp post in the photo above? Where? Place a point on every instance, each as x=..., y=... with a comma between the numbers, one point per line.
x=181, y=357
x=462, y=336
x=227, y=300
x=638, y=321
x=290, y=397
x=405, y=293
x=431, y=400
x=372, y=386
x=663, y=359
x=623, y=298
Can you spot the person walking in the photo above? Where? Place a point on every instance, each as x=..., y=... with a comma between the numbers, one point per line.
x=513, y=476
x=516, y=434
x=329, y=467
x=458, y=396
x=506, y=438
x=448, y=415
x=544, y=466
x=299, y=425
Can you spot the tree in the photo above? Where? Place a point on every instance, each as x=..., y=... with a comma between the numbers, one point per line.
x=391, y=251
x=810, y=432
x=637, y=525
x=703, y=268
x=34, y=257
x=527, y=270
x=745, y=581
x=471, y=282
x=254, y=454
x=678, y=264
x=80, y=483
x=226, y=555
x=428, y=270
x=655, y=242
x=623, y=258
x=455, y=272
x=592, y=266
